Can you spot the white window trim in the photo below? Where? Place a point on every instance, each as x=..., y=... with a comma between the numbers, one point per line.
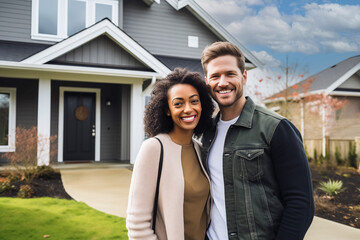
x=12, y=120
x=62, y=21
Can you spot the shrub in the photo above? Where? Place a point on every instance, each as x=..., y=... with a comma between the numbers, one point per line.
x=6, y=186
x=46, y=172
x=338, y=159
x=25, y=191
x=316, y=157
x=331, y=187
x=24, y=160
x=352, y=156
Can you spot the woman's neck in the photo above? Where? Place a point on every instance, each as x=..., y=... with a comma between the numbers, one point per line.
x=181, y=137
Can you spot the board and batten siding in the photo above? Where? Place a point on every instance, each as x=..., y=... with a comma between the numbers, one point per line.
x=101, y=51
x=162, y=30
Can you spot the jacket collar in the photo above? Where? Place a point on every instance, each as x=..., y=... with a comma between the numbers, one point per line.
x=246, y=115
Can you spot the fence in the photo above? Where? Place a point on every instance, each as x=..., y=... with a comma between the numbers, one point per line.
x=333, y=145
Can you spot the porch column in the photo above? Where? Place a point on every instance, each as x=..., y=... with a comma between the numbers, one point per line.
x=136, y=120
x=43, y=123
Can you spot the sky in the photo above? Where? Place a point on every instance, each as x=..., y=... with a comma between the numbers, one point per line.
x=313, y=35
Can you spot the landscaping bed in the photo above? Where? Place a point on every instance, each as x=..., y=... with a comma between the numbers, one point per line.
x=343, y=207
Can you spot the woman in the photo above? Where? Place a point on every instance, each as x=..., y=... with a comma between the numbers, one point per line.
x=179, y=108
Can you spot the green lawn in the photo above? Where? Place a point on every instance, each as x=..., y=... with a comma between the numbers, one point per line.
x=28, y=219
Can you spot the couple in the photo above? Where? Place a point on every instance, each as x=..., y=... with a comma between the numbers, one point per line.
x=250, y=180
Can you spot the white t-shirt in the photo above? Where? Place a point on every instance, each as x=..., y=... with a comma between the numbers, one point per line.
x=218, y=227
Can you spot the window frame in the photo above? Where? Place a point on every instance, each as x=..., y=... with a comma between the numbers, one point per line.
x=12, y=120
x=62, y=19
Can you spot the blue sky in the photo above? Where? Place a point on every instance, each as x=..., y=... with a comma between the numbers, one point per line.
x=313, y=34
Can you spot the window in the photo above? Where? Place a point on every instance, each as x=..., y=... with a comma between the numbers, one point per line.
x=54, y=20
x=7, y=119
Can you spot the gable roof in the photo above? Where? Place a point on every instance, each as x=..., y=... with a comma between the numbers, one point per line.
x=216, y=28
x=326, y=81
x=104, y=27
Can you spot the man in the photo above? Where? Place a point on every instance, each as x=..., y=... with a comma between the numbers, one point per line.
x=259, y=172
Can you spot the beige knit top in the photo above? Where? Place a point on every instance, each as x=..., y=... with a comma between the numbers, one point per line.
x=197, y=190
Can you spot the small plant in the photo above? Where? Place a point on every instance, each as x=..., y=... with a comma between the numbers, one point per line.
x=28, y=146
x=331, y=187
x=338, y=159
x=316, y=157
x=352, y=156
x=6, y=186
x=25, y=191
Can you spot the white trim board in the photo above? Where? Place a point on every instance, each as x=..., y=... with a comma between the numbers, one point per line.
x=104, y=27
x=12, y=120
x=97, y=91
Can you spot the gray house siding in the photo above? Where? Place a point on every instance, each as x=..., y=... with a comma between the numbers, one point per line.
x=112, y=118
x=164, y=31
x=353, y=83
x=15, y=20
x=26, y=102
x=101, y=51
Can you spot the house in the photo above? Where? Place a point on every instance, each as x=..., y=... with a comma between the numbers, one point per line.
x=325, y=107
x=83, y=69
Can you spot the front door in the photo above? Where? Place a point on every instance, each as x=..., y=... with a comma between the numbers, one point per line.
x=79, y=126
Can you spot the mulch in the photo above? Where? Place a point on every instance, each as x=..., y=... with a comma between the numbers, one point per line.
x=344, y=207
x=50, y=186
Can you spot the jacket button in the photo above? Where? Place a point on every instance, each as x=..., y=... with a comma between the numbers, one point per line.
x=233, y=234
x=249, y=155
x=226, y=154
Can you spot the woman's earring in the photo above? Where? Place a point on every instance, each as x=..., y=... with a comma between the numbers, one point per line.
x=168, y=114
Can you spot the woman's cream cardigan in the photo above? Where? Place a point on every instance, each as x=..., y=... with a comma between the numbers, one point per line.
x=169, y=218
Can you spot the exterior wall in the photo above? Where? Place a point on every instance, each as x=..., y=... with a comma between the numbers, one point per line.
x=352, y=83
x=26, y=102
x=111, y=117
x=15, y=20
x=101, y=51
x=164, y=31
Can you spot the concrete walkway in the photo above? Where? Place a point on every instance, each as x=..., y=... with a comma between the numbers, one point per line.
x=106, y=189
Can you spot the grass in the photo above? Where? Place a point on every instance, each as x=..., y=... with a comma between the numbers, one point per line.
x=58, y=218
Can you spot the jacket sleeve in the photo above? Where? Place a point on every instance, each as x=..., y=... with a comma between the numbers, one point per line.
x=142, y=191
x=294, y=179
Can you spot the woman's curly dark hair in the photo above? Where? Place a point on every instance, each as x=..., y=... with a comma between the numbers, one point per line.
x=156, y=119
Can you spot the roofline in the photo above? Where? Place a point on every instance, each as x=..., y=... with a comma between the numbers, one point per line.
x=302, y=95
x=78, y=70
x=103, y=27
x=342, y=79
x=214, y=26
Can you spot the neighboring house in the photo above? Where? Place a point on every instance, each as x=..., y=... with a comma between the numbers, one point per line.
x=326, y=106
x=82, y=69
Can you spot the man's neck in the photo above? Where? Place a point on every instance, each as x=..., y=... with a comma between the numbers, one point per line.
x=233, y=111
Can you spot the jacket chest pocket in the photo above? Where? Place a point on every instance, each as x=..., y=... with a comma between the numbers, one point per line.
x=248, y=162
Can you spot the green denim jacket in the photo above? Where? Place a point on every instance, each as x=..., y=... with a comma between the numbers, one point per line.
x=254, y=205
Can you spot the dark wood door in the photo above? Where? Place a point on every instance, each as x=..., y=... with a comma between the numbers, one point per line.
x=79, y=126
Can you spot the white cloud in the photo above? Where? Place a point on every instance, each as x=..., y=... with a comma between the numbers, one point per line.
x=340, y=46
x=321, y=27
x=267, y=59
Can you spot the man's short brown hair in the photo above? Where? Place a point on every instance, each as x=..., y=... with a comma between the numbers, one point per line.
x=218, y=49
